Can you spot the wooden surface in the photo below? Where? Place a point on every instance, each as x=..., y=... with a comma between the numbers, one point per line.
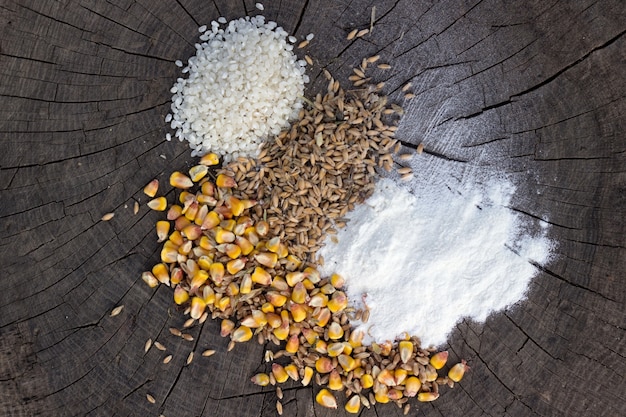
x=85, y=87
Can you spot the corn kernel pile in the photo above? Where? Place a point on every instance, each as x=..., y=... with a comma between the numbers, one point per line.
x=223, y=260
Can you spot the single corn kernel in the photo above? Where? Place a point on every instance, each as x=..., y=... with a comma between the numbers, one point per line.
x=236, y=205
x=279, y=373
x=223, y=303
x=321, y=347
x=282, y=332
x=406, y=350
x=400, y=375
x=158, y=204
x=235, y=265
x=273, y=319
x=386, y=377
x=242, y=334
x=232, y=289
x=356, y=338
x=347, y=362
x=299, y=294
x=293, y=278
x=217, y=272
x=181, y=222
x=353, y=405
x=262, y=277
x=322, y=317
x=224, y=236
x=367, y=381
x=430, y=373
x=334, y=349
x=180, y=180
x=293, y=263
x=457, y=371
x=192, y=232
x=282, y=251
x=318, y=300
x=151, y=189
x=292, y=371
x=191, y=211
x=180, y=295
x=174, y=212
x=261, y=379
x=211, y=220
x=261, y=228
x=161, y=272
x=272, y=244
x=233, y=251
x=381, y=395
x=310, y=335
x=326, y=399
x=312, y=274
x=208, y=295
x=267, y=259
x=298, y=312
x=210, y=159
x=427, y=396
x=280, y=284
x=224, y=181
x=197, y=307
x=169, y=252
x=149, y=278
x=335, y=331
x=203, y=210
x=338, y=302
x=162, y=229
x=324, y=365
x=199, y=278
x=412, y=386
x=438, y=360
x=198, y=172
x=293, y=344
x=394, y=394
x=246, y=284
x=227, y=327
x=337, y=281
x=256, y=319
x=244, y=244
x=308, y=374
x=334, y=381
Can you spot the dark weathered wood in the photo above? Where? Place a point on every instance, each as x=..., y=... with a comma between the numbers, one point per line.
x=85, y=86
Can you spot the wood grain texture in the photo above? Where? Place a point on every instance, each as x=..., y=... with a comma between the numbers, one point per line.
x=539, y=86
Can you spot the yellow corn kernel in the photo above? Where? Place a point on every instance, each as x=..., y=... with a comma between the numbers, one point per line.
x=149, y=278
x=328, y=289
x=169, y=252
x=394, y=394
x=326, y=399
x=324, y=365
x=208, y=295
x=280, y=284
x=334, y=349
x=293, y=278
x=337, y=281
x=158, y=204
x=356, y=338
x=151, y=189
x=312, y=274
x=217, y=272
x=203, y=210
x=338, y=302
x=385, y=348
x=381, y=395
x=282, y=251
x=430, y=373
x=180, y=295
x=457, y=371
x=180, y=180
x=261, y=228
x=273, y=319
x=192, y=232
x=161, y=273
x=210, y=159
x=334, y=381
x=308, y=374
x=197, y=307
x=186, y=198
x=198, y=172
x=224, y=236
x=427, y=396
x=292, y=371
x=224, y=181
x=232, y=289
x=322, y=317
x=438, y=360
x=162, y=230
x=299, y=294
x=174, y=212
x=293, y=263
x=227, y=327
x=406, y=350
x=236, y=205
x=321, y=347
x=262, y=277
x=367, y=381
x=272, y=244
x=347, y=362
x=347, y=348
x=282, y=331
x=335, y=331
x=246, y=284
x=199, y=278
x=353, y=405
x=261, y=379
x=267, y=259
x=223, y=303
x=211, y=220
x=204, y=262
x=293, y=344
x=256, y=319
x=400, y=375
x=318, y=300
x=386, y=377
x=242, y=334
x=310, y=335
x=233, y=251
x=209, y=200
x=412, y=386
x=298, y=312
x=244, y=244
x=235, y=265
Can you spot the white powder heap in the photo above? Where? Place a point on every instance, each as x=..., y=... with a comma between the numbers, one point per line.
x=429, y=258
x=244, y=84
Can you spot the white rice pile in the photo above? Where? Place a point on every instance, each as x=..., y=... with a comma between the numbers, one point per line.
x=244, y=84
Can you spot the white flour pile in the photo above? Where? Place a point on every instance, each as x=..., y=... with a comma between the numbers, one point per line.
x=430, y=257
